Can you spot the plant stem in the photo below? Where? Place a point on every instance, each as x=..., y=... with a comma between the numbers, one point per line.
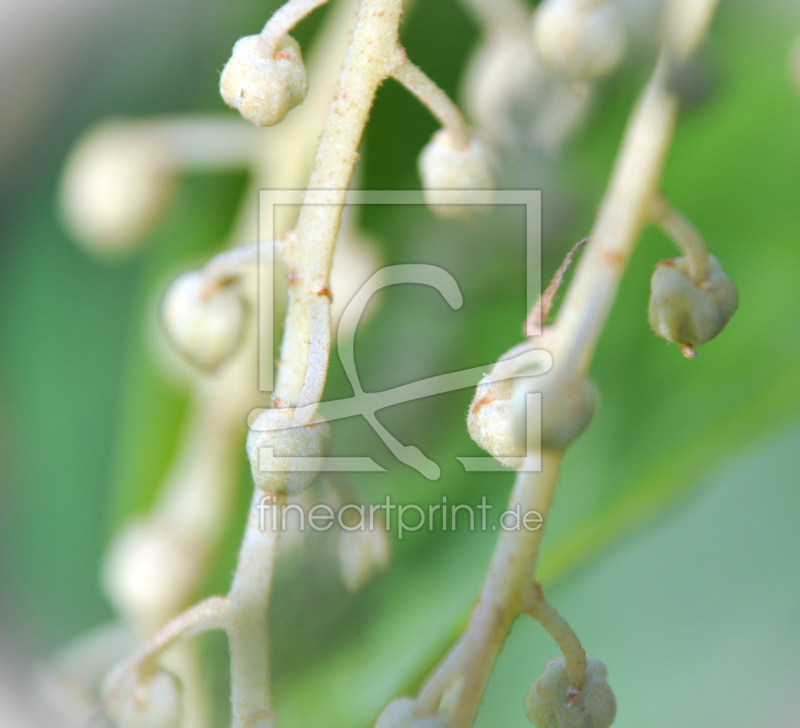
x=566, y=639
x=282, y=21
x=370, y=60
x=437, y=101
x=684, y=234
x=248, y=635
x=501, y=601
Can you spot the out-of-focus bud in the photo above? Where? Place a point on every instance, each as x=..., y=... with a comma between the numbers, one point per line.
x=448, y=169
x=273, y=437
x=549, y=705
x=263, y=89
x=579, y=39
x=117, y=182
x=145, y=568
x=362, y=553
x=204, y=326
x=502, y=76
x=689, y=313
x=152, y=702
x=399, y=714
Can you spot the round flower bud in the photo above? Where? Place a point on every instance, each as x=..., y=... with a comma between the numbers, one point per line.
x=399, y=714
x=204, y=326
x=117, y=182
x=273, y=437
x=549, y=705
x=154, y=702
x=490, y=419
x=148, y=570
x=577, y=39
x=263, y=89
x=448, y=169
x=567, y=407
x=689, y=313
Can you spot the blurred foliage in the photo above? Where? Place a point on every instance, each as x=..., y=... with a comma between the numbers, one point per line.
x=686, y=602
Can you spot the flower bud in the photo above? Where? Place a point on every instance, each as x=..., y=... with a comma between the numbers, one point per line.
x=148, y=570
x=362, y=553
x=204, y=326
x=399, y=714
x=689, y=313
x=489, y=422
x=448, y=169
x=116, y=184
x=578, y=39
x=273, y=437
x=153, y=702
x=549, y=705
x=490, y=419
x=263, y=89
x=568, y=405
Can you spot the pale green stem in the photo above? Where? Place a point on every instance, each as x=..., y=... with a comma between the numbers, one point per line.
x=370, y=60
x=558, y=628
x=248, y=634
x=501, y=601
x=437, y=101
x=283, y=20
x=684, y=234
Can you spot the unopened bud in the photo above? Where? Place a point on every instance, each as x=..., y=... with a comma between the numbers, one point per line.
x=148, y=569
x=116, y=184
x=448, y=169
x=273, y=437
x=551, y=703
x=578, y=39
x=686, y=312
x=152, y=702
x=204, y=325
x=263, y=89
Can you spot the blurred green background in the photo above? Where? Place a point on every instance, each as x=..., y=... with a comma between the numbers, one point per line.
x=673, y=546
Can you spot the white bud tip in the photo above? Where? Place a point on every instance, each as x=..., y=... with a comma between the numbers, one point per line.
x=264, y=89
x=154, y=702
x=551, y=703
x=449, y=170
x=273, y=438
x=204, y=326
x=579, y=40
x=116, y=184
